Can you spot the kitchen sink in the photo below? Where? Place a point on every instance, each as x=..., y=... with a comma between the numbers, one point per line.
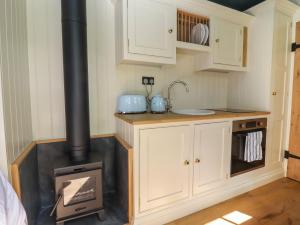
x=196, y=112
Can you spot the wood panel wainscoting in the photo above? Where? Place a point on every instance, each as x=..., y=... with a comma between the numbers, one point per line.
x=15, y=166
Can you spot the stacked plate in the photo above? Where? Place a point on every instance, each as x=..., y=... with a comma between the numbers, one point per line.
x=200, y=34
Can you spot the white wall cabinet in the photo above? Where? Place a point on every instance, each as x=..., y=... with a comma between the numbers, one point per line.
x=145, y=31
x=211, y=155
x=151, y=28
x=164, y=170
x=228, y=48
x=227, y=42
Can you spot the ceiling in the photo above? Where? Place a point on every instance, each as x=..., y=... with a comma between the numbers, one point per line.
x=240, y=5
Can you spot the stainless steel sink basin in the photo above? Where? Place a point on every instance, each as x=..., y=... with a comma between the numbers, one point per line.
x=195, y=112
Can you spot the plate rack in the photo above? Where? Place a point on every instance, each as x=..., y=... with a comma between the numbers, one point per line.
x=186, y=22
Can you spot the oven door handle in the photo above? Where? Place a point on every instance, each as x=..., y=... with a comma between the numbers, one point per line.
x=241, y=135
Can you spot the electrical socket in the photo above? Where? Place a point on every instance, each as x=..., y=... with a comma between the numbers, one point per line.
x=148, y=80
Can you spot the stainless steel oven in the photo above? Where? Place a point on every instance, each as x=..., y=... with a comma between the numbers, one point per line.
x=248, y=148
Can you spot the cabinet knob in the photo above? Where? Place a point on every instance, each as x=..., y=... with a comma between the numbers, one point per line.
x=197, y=161
x=186, y=162
x=274, y=93
x=170, y=30
x=260, y=124
x=243, y=125
x=217, y=40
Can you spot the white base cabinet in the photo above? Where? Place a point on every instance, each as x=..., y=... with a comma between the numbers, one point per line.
x=182, y=167
x=173, y=157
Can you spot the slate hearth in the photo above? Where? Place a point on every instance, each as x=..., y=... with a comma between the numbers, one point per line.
x=37, y=184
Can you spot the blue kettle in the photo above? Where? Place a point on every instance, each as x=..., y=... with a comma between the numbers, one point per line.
x=158, y=104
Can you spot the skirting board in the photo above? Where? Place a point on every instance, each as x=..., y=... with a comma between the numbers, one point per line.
x=236, y=188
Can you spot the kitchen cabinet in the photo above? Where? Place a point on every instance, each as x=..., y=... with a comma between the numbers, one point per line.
x=268, y=84
x=229, y=48
x=173, y=157
x=275, y=153
x=227, y=42
x=151, y=28
x=183, y=166
x=280, y=71
x=146, y=31
x=281, y=63
x=164, y=165
x=211, y=155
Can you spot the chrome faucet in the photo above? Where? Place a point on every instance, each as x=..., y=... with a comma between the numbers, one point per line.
x=169, y=104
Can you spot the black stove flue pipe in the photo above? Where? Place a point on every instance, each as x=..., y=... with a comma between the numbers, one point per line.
x=75, y=63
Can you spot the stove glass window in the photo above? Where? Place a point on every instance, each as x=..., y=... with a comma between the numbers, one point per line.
x=79, y=190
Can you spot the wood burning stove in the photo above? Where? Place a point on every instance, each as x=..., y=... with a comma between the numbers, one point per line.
x=78, y=191
x=78, y=185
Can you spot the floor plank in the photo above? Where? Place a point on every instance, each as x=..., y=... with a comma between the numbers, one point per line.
x=277, y=203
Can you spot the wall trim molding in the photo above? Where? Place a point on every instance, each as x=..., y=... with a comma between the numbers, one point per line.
x=47, y=141
x=14, y=168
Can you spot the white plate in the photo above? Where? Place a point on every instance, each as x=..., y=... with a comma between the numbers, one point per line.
x=202, y=34
x=206, y=34
x=198, y=33
x=193, y=34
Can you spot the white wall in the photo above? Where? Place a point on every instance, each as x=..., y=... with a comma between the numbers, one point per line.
x=106, y=80
x=3, y=153
x=14, y=77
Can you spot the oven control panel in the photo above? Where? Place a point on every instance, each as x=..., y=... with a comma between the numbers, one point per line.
x=244, y=125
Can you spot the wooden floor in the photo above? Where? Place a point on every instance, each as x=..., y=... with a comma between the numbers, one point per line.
x=277, y=203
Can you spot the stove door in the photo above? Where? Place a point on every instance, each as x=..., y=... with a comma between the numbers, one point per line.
x=81, y=193
x=79, y=190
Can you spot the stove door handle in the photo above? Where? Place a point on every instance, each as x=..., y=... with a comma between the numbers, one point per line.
x=56, y=204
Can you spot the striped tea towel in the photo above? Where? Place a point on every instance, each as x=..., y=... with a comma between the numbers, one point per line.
x=253, y=147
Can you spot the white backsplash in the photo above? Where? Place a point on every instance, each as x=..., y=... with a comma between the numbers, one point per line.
x=106, y=80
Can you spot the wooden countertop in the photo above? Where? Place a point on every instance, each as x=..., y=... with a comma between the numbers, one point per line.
x=149, y=118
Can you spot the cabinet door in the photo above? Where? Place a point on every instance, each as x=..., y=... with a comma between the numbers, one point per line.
x=211, y=155
x=164, y=173
x=152, y=28
x=281, y=63
x=227, y=43
x=274, y=152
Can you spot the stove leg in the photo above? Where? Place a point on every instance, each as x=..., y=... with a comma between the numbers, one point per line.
x=101, y=215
